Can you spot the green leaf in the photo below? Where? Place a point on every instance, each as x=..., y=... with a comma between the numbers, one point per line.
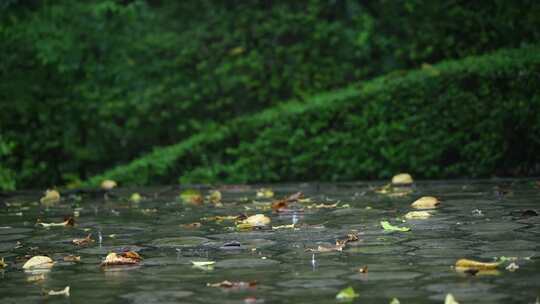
x=347, y=294
x=394, y=301
x=389, y=227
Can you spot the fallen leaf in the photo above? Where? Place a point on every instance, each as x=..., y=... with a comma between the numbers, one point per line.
x=450, y=299
x=234, y=285
x=291, y=226
x=39, y=262
x=265, y=193
x=257, y=220
x=2, y=263
x=463, y=264
x=63, y=292
x=35, y=277
x=347, y=294
x=108, y=184
x=322, y=206
x=330, y=248
x=194, y=225
x=389, y=227
x=82, y=242
x=51, y=196
x=215, y=197
x=512, y=267
x=425, y=202
x=135, y=197
x=72, y=258
x=402, y=179
x=394, y=301
x=192, y=197
x=220, y=218
x=363, y=269
x=123, y=258
x=417, y=215
x=283, y=203
x=68, y=222
x=202, y=263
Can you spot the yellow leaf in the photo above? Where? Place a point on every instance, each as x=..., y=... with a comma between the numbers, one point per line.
x=402, y=179
x=426, y=202
x=450, y=299
x=135, y=197
x=39, y=262
x=257, y=220
x=63, y=292
x=108, y=184
x=265, y=193
x=2, y=263
x=471, y=264
x=417, y=215
x=202, y=263
x=51, y=196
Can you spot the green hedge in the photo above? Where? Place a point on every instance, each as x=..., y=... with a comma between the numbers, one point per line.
x=88, y=85
x=475, y=117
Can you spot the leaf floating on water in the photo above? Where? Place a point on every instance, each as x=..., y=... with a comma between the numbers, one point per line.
x=234, y=285
x=108, y=184
x=417, y=215
x=257, y=220
x=215, y=197
x=194, y=225
x=323, y=206
x=68, y=222
x=291, y=226
x=426, y=202
x=72, y=258
x=2, y=263
x=202, y=263
x=83, y=242
x=449, y=299
x=284, y=203
x=39, y=262
x=135, y=197
x=123, y=258
x=63, y=292
x=221, y=218
x=463, y=264
x=347, y=294
x=512, y=267
x=265, y=193
x=192, y=197
x=363, y=269
x=402, y=179
x=51, y=197
x=389, y=227
x=394, y=301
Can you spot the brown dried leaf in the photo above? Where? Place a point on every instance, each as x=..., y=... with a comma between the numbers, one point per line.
x=194, y=225
x=234, y=285
x=123, y=258
x=83, y=242
x=363, y=269
x=283, y=203
x=72, y=258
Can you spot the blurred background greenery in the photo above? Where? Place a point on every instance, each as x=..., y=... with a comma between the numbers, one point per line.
x=154, y=92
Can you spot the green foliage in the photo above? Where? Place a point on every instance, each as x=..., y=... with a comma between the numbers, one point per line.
x=457, y=118
x=89, y=85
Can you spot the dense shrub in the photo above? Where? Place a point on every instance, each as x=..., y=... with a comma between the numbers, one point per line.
x=88, y=85
x=478, y=116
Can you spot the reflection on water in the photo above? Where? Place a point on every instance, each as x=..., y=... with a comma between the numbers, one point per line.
x=476, y=220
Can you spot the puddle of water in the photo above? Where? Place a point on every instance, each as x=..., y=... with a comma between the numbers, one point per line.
x=474, y=221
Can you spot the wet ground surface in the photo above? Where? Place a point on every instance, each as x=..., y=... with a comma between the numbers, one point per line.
x=480, y=220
